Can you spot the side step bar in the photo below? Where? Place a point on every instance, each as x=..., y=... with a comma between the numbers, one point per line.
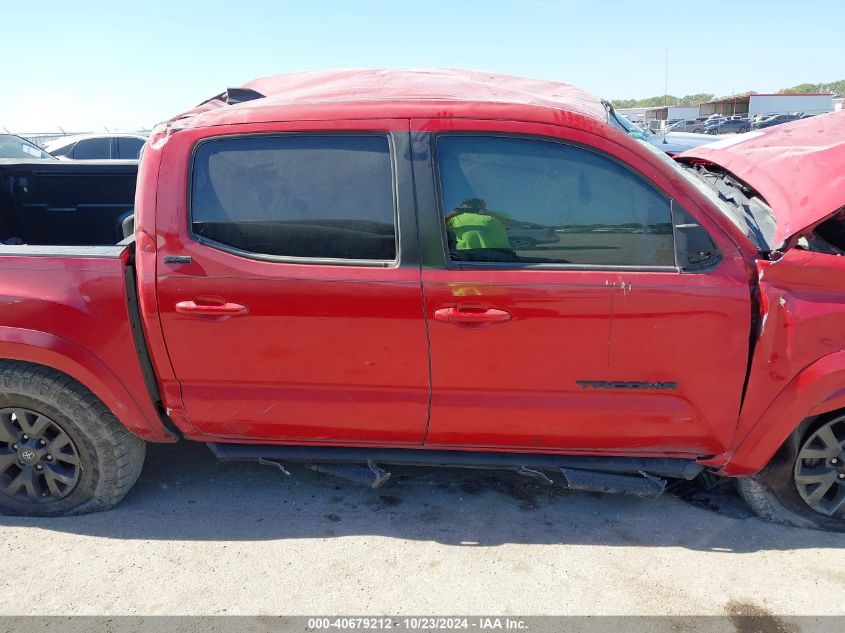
x=591, y=481
x=654, y=466
x=371, y=475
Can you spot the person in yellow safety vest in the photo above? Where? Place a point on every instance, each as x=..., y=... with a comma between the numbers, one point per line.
x=472, y=225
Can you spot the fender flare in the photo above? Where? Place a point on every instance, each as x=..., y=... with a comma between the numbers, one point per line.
x=33, y=346
x=817, y=389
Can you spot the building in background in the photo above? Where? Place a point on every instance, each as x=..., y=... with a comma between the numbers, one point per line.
x=635, y=115
x=659, y=118
x=751, y=105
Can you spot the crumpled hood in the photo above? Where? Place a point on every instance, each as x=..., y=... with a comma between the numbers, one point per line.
x=798, y=168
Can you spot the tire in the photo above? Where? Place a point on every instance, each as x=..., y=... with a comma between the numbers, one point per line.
x=779, y=493
x=62, y=452
x=743, y=130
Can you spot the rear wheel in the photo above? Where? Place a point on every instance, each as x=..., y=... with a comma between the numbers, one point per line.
x=61, y=450
x=804, y=484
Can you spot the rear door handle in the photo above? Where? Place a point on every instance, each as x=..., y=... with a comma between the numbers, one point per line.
x=192, y=308
x=481, y=317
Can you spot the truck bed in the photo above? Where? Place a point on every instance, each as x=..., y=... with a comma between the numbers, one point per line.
x=65, y=203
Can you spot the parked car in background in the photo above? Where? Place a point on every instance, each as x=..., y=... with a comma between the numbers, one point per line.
x=670, y=142
x=775, y=119
x=730, y=126
x=106, y=146
x=676, y=142
x=684, y=125
x=701, y=125
x=17, y=148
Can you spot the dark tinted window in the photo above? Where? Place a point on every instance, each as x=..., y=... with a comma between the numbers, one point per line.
x=297, y=196
x=695, y=248
x=129, y=147
x=92, y=148
x=522, y=200
x=63, y=151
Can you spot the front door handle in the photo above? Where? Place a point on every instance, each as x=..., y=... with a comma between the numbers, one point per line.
x=470, y=317
x=192, y=308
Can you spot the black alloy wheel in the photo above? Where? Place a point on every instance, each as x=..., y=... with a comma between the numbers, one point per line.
x=39, y=463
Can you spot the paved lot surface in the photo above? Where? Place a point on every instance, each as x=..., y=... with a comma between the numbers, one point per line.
x=197, y=537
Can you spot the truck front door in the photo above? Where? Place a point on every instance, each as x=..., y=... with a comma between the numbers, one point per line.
x=560, y=313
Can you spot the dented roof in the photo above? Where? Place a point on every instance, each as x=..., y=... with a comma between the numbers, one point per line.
x=422, y=86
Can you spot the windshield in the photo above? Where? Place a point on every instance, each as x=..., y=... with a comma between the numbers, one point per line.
x=12, y=146
x=625, y=125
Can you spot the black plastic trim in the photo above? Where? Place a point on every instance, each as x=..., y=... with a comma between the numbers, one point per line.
x=144, y=360
x=234, y=96
x=680, y=252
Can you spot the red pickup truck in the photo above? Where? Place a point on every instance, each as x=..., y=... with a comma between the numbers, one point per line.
x=363, y=268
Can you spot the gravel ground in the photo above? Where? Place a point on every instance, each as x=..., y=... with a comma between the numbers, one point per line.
x=198, y=537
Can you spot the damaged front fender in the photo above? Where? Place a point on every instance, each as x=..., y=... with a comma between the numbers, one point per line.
x=798, y=364
x=816, y=390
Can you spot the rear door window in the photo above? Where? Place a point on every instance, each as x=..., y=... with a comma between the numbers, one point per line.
x=128, y=147
x=321, y=197
x=520, y=200
x=93, y=148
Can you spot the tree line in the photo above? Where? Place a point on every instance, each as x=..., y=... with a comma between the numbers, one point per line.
x=836, y=87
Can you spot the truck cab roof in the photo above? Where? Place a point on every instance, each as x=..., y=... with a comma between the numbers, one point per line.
x=390, y=93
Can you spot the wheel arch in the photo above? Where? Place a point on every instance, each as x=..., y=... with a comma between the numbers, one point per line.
x=819, y=389
x=137, y=413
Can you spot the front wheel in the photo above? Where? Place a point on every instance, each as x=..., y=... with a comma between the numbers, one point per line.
x=61, y=450
x=804, y=484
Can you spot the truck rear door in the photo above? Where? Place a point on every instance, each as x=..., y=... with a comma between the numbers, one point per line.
x=289, y=293
x=559, y=313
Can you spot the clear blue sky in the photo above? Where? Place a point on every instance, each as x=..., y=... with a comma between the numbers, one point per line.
x=84, y=64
